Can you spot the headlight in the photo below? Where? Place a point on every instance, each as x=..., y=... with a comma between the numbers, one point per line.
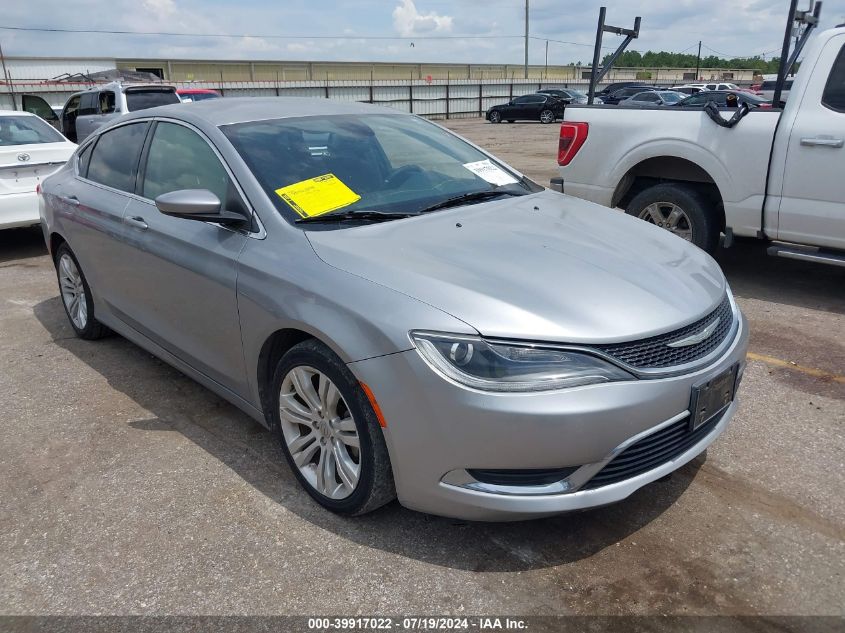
x=473, y=362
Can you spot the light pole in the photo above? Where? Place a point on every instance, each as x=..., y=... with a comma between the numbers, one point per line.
x=526, y=39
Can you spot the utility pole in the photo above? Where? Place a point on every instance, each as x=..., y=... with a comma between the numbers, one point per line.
x=526, y=39
x=546, y=72
x=698, y=61
x=8, y=77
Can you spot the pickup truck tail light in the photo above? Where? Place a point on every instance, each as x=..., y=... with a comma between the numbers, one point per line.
x=572, y=137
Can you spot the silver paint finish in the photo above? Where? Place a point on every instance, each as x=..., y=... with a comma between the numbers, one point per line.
x=543, y=267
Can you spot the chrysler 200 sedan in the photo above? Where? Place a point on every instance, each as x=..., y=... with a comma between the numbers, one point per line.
x=410, y=316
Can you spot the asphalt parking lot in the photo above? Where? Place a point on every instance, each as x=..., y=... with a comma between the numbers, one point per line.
x=129, y=489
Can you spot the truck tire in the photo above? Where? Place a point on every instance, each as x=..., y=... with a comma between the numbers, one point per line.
x=680, y=209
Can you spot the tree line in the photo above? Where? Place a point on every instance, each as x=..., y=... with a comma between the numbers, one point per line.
x=663, y=59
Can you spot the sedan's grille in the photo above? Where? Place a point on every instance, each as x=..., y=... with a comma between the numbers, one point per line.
x=651, y=451
x=654, y=352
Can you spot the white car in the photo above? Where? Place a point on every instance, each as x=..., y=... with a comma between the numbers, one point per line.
x=30, y=150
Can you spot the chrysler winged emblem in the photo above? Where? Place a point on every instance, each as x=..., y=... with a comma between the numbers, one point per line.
x=694, y=339
x=23, y=157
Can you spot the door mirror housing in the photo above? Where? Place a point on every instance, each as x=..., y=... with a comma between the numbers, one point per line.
x=197, y=204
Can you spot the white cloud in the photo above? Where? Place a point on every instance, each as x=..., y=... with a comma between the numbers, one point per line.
x=160, y=7
x=408, y=21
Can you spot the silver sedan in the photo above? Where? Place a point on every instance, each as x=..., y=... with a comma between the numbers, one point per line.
x=410, y=316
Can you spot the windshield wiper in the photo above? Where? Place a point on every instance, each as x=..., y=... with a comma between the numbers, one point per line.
x=349, y=216
x=466, y=198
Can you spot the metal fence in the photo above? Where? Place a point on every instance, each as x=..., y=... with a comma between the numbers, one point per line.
x=433, y=99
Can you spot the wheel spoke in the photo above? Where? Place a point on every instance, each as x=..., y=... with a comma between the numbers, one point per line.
x=674, y=217
x=346, y=424
x=294, y=411
x=350, y=439
x=654, y=212
x=303, y=449
x=347, y=470
x=301, y=379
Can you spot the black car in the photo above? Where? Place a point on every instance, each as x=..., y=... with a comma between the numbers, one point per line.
x=567, y=95
x=720, y=97
x=536, y=107
x=625, y=93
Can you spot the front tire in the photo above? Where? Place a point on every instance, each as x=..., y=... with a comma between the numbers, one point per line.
x=76, y=296
x=680, y=209
x=328, y=431
x=547, y=116
x=495, y=117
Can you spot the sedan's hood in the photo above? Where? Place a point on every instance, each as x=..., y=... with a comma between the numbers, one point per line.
x=541, y=267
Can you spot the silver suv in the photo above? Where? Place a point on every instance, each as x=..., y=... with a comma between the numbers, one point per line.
x=87, y=111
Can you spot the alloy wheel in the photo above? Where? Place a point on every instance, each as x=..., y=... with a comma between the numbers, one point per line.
x=547, y=116
x=320, y=432
x=668, y=216
x=73, y=291
x=495, y=117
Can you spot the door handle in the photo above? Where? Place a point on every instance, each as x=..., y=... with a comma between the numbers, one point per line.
x=823, y=141
x=136, y=221
x=71, y=200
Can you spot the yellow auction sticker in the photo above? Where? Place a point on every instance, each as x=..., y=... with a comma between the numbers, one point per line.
x=317, y=196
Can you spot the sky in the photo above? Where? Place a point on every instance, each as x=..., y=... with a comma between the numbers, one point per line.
x=466, y=31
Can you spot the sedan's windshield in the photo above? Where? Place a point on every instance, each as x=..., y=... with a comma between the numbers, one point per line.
x=313, y=166
x=26, y=130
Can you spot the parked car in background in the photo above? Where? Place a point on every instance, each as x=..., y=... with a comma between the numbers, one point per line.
x=653, y=98
x=536, y=107
x=344, y=274
x=720, y=98
x=30, y=150
x=609, y=89
x=567, y=95
x=89, y=110
x=688, y=89
x=773, y=175
x=188, y=95
x=767, y=89
x=624, y=93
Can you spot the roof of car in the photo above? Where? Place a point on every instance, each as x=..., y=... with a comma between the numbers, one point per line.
x=243, y=109
x=197, y=91
x=15, y=113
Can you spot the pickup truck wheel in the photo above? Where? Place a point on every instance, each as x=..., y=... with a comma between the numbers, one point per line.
x=679, y=209
x=547, y=116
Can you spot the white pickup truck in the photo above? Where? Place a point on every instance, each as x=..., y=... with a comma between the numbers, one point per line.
x=775, y=175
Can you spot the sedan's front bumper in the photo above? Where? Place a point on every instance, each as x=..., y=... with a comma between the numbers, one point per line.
x=436, y=430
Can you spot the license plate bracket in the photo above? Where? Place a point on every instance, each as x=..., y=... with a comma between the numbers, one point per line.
x=712, y=397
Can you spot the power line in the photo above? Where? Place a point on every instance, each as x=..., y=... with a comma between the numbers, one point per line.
x=265, y=36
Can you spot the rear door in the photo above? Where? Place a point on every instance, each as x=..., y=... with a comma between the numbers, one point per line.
x=87, y=119
x=92, y=206
x=182, y=273
x=812, y=209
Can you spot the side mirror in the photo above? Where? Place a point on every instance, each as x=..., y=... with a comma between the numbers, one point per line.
x=197, y=204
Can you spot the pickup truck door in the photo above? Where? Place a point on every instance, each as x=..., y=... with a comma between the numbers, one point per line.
x=812, y=209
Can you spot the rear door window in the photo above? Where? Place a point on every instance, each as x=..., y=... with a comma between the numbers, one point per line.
x=114, y=159
x=834, y=91
x=107, y=102
x=83, y=160
x=149, y=98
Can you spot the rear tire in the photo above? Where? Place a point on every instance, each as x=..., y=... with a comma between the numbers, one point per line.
x=680, y=209
x=547, y=116
x=76, y=296
x=328, y=431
